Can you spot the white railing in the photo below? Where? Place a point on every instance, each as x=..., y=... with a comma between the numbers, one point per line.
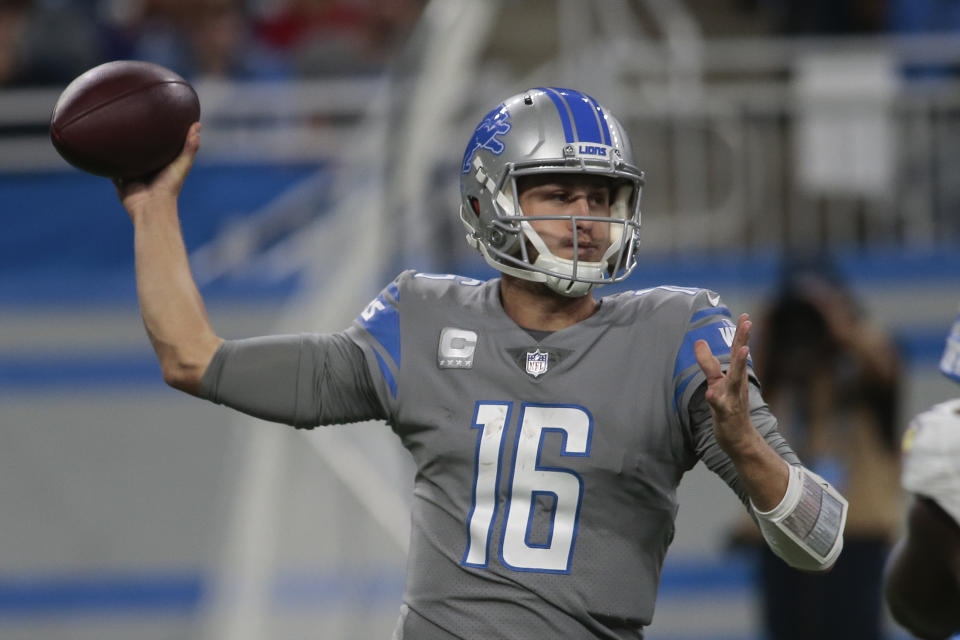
x=799, y=143
x=756, y=144
x=764, y=144
x=306, y=120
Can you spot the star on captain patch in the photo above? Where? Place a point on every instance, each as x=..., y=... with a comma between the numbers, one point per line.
x=537, y=363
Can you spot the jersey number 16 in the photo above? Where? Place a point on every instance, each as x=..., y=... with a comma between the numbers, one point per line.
x=530, y=480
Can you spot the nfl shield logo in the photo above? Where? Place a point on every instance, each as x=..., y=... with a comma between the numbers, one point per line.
x=537, y=363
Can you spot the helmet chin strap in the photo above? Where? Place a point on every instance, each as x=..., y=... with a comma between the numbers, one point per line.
x=561, y=270
x=565, y=286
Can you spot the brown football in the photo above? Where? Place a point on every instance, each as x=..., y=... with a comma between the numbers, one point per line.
x=123, y=119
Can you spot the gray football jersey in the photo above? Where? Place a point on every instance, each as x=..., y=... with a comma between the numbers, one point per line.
x=547, y=470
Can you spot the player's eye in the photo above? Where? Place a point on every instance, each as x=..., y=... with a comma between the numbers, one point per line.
x=600, y=198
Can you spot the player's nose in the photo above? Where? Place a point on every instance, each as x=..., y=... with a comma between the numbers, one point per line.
x=582, y=209
x=579, y=204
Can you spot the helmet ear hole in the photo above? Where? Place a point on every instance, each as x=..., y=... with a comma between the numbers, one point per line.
x=475, y=205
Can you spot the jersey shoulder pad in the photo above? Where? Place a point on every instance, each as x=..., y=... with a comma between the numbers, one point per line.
x=683, y=304
x=439, y=285
x=936, y=431
x=931, y=462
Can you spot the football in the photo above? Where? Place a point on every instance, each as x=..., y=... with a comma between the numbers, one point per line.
x=123, y=119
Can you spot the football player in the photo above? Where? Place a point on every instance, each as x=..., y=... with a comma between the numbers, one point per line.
x=550, y=428
x=922, y=581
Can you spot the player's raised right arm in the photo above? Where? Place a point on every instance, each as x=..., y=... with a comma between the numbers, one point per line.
x=173, y=311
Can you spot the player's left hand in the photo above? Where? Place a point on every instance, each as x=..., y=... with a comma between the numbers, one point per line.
x=727, y=393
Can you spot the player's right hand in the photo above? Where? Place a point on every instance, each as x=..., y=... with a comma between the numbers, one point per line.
x=164, y=186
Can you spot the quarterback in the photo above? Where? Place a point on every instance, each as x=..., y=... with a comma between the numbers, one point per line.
x=550, y=428
x=922, y=581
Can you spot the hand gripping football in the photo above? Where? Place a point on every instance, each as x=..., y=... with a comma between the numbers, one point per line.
x=123, y=119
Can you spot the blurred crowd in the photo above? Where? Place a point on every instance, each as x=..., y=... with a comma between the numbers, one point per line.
x=49, y=42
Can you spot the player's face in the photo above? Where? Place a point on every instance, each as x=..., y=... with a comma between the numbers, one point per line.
x=569, y=195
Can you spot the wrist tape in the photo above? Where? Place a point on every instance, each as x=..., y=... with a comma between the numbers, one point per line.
x=806, y=528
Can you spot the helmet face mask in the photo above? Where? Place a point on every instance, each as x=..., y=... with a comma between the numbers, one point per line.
x=543, y=132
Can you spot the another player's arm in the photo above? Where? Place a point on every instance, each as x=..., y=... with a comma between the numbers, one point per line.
x=922, y=576
x=173, y=311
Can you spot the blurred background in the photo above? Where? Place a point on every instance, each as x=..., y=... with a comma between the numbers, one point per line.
x=777, y=136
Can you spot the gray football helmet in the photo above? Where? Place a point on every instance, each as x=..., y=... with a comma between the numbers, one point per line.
x=544, y=131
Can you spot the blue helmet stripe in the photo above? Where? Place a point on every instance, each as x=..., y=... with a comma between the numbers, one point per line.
x=601, y=118
x=586, y=120
x=562, y=110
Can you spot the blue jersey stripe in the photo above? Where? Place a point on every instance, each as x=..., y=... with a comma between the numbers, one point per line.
x=711, y=333
x=703, y=313
x=382, y=320
x=393, y=290
x=384, y=325
x=385, y=370
x=561, y=106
